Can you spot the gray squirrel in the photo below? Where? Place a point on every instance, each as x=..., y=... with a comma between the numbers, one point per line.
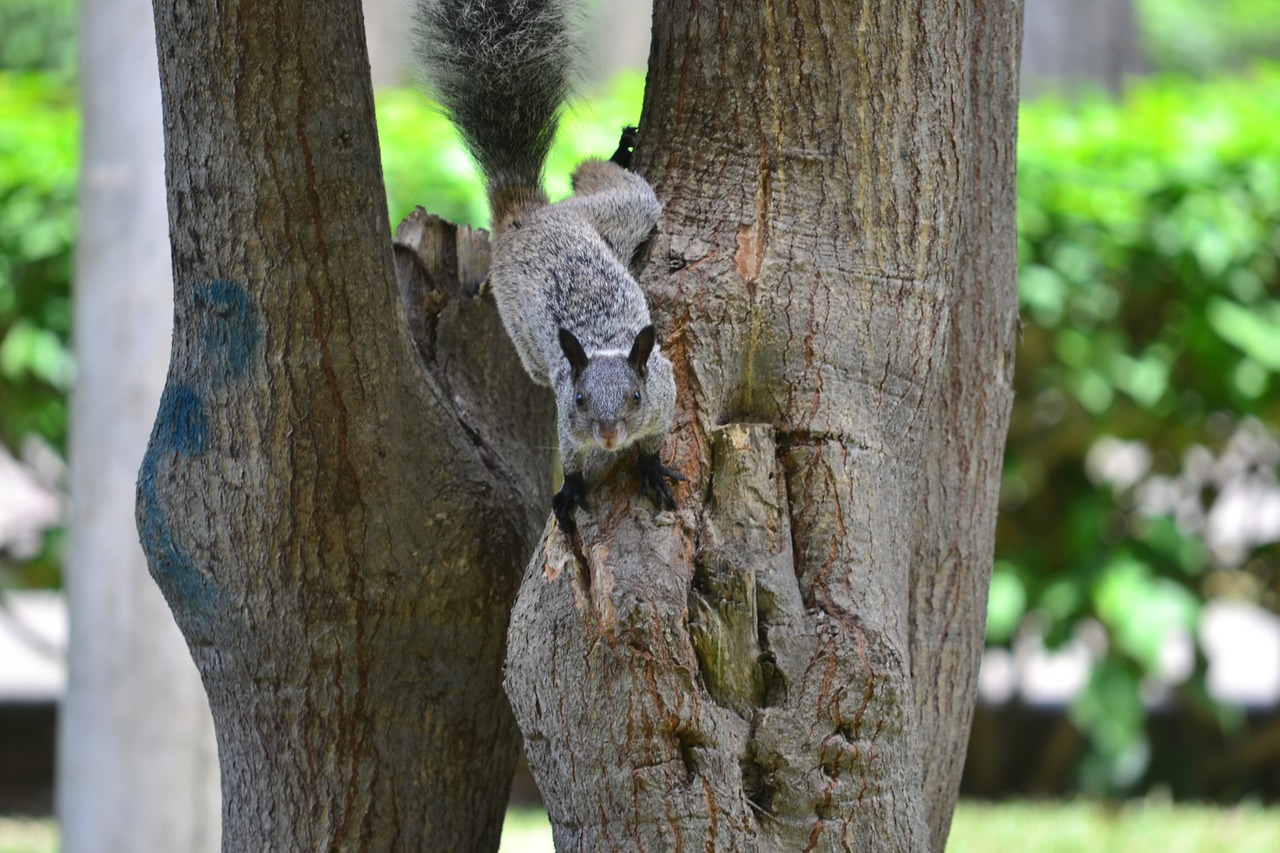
x=500, y=70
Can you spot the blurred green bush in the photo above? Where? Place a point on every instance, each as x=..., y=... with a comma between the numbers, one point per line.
x=1148, y=240
x=39, y=35
x=1149, y=233
x=39, y=152
x=1204, y=37
x=424, y=163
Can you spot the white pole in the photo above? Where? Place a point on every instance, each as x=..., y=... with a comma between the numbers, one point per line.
x=137, y=763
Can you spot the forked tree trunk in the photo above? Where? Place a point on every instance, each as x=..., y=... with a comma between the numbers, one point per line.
x=788, y=662
x=337, y=517
x=338, y=529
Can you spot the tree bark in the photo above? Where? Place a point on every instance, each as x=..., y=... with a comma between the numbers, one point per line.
x=336, y=516
x=788, y=661
x=137, y=762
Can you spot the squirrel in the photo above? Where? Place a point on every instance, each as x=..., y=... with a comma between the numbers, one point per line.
x=500, y=70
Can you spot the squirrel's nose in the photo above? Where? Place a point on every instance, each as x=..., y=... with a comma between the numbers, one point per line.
x=607, y=434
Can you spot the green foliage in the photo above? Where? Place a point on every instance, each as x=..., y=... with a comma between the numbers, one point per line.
x=424, y=162
x=28, y=835
x=1137, y=827
x=39, y=149
x=1148, y=240
x=1206, y=36
x=38, y=35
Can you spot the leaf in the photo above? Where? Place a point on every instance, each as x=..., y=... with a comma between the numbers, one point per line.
x=1006, y=603
x=1140, y=610
x=1255, y=332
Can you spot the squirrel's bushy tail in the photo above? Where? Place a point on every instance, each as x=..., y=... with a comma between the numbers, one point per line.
x=501, y=70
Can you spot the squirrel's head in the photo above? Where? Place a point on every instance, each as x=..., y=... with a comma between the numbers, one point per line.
x=609, y=393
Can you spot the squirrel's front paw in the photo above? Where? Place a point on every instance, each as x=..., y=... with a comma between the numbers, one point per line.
x=626, y=145
x=573, y=492
x=653, y=480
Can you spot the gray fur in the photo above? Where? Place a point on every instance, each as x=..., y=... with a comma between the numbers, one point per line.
x=500, y=68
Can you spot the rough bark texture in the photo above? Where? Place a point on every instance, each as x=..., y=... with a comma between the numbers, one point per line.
x=332, y=512
x=788, y=661
x=137, y=762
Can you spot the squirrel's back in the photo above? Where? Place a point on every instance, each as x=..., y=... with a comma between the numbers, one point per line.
x=552, y=269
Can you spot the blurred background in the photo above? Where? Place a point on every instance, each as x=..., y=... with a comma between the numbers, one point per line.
x=1130, y=693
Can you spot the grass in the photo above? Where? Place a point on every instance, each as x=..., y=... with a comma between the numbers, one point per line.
x=27, y=835
x=1024, y=827
x=526, y=831
x=1137, y=827
x=1048, y=827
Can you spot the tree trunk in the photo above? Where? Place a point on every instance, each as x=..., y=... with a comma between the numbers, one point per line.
x=333, y=513
x=788, y=662
x=336, y=516
x=137, y=762
x=1075, y=43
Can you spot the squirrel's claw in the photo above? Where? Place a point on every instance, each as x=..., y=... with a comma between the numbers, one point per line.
x=626, y=145
x=573, y=492
x=653, y=480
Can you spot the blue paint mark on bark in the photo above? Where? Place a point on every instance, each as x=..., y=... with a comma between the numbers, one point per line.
x=230, y=328
x=181, y=422
x=181, y=430
x=192, y=594
x=229, y=337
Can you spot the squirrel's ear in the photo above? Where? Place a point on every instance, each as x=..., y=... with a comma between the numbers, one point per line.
x=574, y=352
x=641, y=349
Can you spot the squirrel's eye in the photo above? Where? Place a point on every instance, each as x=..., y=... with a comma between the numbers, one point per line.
x=580, y=400
x=635, y=395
